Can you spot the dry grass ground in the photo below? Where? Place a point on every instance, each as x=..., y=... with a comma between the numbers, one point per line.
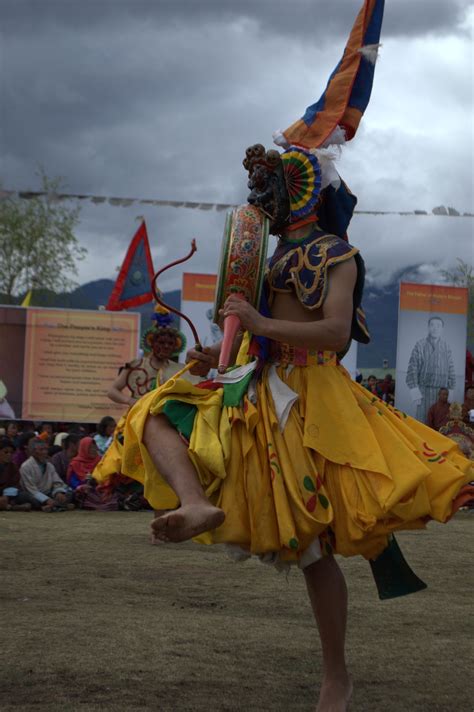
x=94, y=618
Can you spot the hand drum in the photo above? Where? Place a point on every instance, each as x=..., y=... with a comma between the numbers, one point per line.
x=241, y=268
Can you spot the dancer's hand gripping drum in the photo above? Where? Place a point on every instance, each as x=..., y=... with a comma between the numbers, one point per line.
x=241, y=268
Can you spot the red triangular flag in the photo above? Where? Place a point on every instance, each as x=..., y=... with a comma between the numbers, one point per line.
x=133, y=285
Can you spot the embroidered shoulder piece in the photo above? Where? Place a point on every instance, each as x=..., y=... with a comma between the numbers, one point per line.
x=302, y=267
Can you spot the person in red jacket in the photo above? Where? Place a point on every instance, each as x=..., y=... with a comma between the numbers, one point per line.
x=10, y=495
x=438, y=414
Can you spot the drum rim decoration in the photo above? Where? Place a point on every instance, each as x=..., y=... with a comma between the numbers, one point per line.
x=223, y=259
x=222, y=290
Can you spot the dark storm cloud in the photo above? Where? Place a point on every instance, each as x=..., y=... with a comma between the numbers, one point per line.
x=94, y=108
x=159, y=100
x=96, y=85
x=314, y=18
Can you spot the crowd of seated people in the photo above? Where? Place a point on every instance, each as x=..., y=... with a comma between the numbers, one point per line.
x=49, y=468
x=384, y=389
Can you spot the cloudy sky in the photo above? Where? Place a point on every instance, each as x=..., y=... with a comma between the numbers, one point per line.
x=160, y=98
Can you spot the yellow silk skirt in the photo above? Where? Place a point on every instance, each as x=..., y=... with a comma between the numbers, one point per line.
x=346, y=468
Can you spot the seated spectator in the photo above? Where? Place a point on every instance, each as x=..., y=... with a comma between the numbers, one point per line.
x=41, y=483
x=129, y=493
x=438, y=414
x=469, y=370
x=373, y=387
x=70, y=447
x=105, y=432
x=46, y=433
x=12, y=433
x=22, y=452
x=10, y=495
x=388, y=389
x=59, y=438
x=89, y=495
x=26, y=426
x=53, y=450
x=468, y=407
x=82, y=465
x=78, y=429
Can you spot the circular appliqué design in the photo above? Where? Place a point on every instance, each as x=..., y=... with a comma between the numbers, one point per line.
x=303, y=181
x=137, y=277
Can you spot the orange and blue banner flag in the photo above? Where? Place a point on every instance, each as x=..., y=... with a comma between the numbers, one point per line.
x=349, y=87
x=133, y=285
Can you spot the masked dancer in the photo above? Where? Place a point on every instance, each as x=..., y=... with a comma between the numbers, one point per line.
x=295, y=462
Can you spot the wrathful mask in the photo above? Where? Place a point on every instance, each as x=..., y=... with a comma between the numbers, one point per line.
x=285, y=187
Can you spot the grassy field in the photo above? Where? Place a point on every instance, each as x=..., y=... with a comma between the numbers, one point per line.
x=94, y=618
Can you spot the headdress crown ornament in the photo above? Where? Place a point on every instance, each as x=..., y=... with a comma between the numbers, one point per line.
x=162, y=316
x=163, y=324
x=257, y=157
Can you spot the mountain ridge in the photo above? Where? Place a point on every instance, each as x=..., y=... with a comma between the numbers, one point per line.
x=380, y=305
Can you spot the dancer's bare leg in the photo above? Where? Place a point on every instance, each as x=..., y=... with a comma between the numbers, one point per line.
x=169, y=455
x=328, y=595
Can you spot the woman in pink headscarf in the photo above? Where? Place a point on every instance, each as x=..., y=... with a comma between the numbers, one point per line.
x=82, y=466
x=79, y=477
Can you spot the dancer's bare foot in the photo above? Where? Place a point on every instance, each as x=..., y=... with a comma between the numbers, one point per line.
x=158, y=513
x=186, y=522
x=335, y=695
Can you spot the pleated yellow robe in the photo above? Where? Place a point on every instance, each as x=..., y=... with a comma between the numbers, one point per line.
x=346, y=467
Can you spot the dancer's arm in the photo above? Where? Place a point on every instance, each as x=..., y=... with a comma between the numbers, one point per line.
x=331, y=333
x=115, y=391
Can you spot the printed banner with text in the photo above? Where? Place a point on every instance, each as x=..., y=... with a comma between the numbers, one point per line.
x=57, y=364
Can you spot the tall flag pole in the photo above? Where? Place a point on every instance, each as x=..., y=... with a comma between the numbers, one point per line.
x=133, y=285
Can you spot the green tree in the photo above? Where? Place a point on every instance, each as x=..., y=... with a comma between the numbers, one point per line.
x=462, y=275
x=38, y=248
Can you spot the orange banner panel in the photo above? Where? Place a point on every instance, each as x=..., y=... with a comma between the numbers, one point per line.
x=198, y=287
x=71, y=359
x=433, y=298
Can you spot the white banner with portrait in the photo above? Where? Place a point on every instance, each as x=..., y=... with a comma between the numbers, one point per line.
x=431, y=346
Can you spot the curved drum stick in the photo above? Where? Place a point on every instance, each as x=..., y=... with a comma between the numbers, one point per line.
x=231, y=327
x=157, y=294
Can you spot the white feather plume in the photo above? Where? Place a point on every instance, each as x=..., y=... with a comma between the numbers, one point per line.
x=326, y=159
x=336, y=138
x=370, y=52
x=280, y=139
